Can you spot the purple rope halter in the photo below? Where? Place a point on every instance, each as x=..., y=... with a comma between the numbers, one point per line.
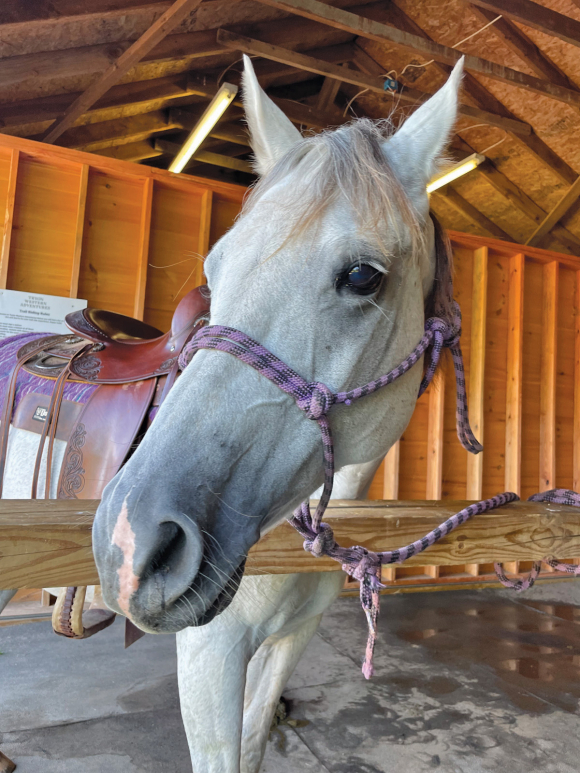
x=315, y=400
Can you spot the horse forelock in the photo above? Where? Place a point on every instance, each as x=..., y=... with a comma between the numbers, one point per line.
x=349, y=163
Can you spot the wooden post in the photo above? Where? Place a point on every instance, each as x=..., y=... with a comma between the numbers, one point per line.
x=548, y=378
x=513, y=414
x=8, y=217
x=477, y=370
x=81, y=206
x=143, y=248
x=391, y=472
x=435, y=435
x=576, y=453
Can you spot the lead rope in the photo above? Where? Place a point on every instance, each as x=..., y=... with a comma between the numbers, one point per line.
x=315, y=400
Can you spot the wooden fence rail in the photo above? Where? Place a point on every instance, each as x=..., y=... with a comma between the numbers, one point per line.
x=48, y=542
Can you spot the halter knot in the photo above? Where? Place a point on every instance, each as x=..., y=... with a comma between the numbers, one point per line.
x=322, y=543
x=369, y=567
x=318, y=402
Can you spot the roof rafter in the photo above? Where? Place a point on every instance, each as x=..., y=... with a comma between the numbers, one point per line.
x=523, y=47
x=536, y=16
x=557, y=213
x=366, y=27
x=489, y=101
x=354, y=77
x=465, y=207
x=147, y=42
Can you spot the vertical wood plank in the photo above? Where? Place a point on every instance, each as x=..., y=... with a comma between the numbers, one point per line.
x=81, y=206
x=204, y=233
x=477, y=370
x=548, y=378
x=143, y=248
x=391, y=472
x=513, y=434
x=8, y=217
x=435, y=435
x=576, y=453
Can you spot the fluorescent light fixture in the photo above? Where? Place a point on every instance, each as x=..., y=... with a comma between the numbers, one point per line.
x=458, y=170
x=208, y=120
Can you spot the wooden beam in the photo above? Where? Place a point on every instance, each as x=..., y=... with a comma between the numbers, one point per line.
x=391, y=472
x=48, y=542
x=524, y=203
x=33, y=14
x=327, y=94
x=354, y=77
x=79, y=230
x=515, y=342
x=158, y=30
x=8, y=217
x=556, y=214
x=207, y=157
x=132, y=151
x=121, y=131
x=467, y=209
x=548, y=377
x=474, y=485
x=112, y=105
x=382, y=33
x=537, y=16
x=523, y=47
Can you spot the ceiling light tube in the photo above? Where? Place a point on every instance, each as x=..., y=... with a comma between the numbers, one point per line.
x=458, y=170
x=203, y=127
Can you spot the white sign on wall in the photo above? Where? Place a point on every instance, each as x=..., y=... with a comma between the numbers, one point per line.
x=35, y=313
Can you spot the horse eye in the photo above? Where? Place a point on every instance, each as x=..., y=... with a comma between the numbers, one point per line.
x=361, y=279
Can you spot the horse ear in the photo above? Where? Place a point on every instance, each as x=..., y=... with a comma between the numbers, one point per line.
x=272, y=134
x=415, y=149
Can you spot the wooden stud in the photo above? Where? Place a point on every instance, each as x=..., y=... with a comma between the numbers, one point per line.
x=513, y=413
x=576, y=452
x=81, y=205
x=548, y=378
x=327, y=94
x=143, y=249
x=477, y=370
x=8, y=217
x=204, y=233
x=391, y=472
x=113, y=74
x=435, y=435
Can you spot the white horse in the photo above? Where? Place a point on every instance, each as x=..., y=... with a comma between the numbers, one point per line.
x=330, y=266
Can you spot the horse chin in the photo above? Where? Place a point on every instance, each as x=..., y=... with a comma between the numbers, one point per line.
x=182, y=615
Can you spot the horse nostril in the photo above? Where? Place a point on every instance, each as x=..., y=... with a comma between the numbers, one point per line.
x=170, y=550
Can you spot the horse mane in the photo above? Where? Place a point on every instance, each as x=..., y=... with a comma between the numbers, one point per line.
x=347, y=162
x=439, y=301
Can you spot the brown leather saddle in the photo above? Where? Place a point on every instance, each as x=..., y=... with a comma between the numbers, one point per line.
x=130, y=366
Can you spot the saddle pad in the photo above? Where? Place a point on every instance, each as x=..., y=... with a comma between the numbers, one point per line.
x=75, y=391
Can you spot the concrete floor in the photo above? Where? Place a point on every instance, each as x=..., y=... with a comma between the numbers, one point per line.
x=466, y=683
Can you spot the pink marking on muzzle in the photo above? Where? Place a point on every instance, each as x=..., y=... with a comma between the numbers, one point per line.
x=124, y=538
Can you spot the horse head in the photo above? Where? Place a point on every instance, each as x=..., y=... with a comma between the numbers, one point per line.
x=330, y=266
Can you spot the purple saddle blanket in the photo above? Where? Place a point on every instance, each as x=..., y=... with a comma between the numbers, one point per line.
x=26, y=382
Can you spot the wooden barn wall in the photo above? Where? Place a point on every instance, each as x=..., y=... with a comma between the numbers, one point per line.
x=132, y=239
x=521, y=347
x=128, y=238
